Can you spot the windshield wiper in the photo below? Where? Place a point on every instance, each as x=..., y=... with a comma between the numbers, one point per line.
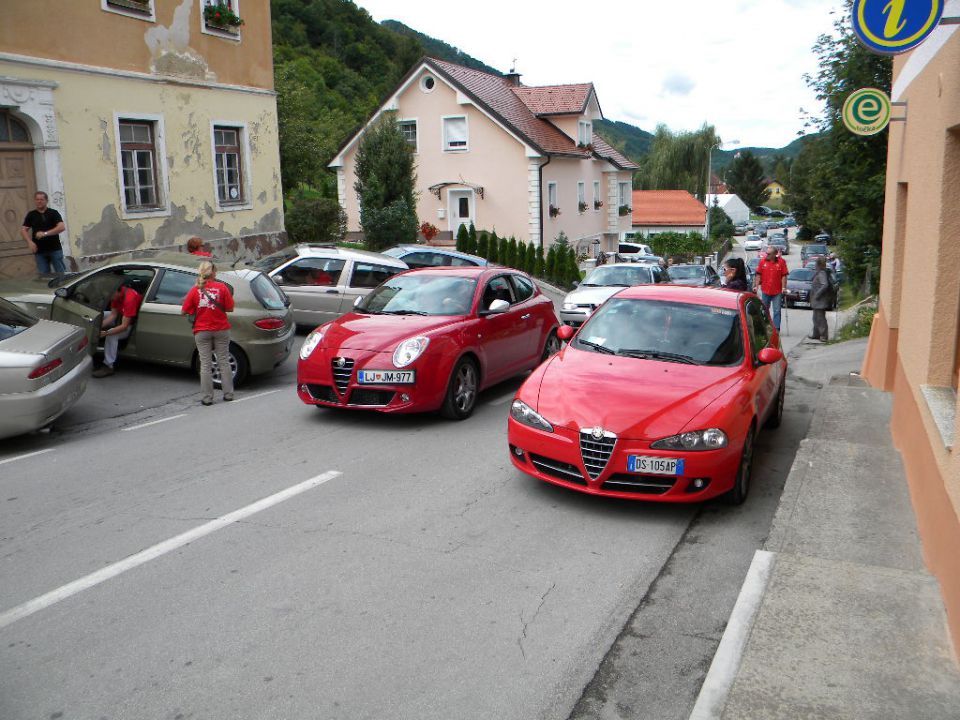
x=619, y=285
x=403, y=312
x=657, y=355
x=598, y=347
x=588, y=285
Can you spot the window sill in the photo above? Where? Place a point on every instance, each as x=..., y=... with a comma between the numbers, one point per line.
x=942, y=404
x=227, y=32
x=136, y=214
x=456, y=150
x=233, y=207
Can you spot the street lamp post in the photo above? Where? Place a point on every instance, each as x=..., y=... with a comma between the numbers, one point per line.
x=715, y=146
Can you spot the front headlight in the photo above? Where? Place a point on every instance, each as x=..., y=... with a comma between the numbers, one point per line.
x=526, y=415
x=409, y=350
x=710, y=439
x=310, y=344
x=569, y=306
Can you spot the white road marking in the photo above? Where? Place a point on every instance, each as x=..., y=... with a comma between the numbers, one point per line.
x=723, y=670
x=152, y=422
x=151, y=553
x=503, y=399
x=25, y=456
x=251, y=397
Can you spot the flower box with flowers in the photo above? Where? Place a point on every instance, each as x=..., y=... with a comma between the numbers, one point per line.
x=582, y=207
x=597, y=204
x=220, y=16
x=554, y=211
x=624, y=210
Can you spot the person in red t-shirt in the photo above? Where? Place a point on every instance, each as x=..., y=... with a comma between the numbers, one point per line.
x=771, y=280
x=116, y=325
x=209, y=301
x=195, y=247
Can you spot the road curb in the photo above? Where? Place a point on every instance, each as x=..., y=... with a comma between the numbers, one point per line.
x=726, y=662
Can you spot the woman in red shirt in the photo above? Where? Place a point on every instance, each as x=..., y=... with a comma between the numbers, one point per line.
x=209, y=301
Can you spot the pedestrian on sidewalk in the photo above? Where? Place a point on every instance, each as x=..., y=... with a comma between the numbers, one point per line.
x=195, y=247
x=821, y=299
x=117, y=325
x=771, y=283
x=41, y=229
x=208, y=302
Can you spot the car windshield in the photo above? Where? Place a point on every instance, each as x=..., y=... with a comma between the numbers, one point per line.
x=665, y=331
x=421, y=295
x=685, y=272
x=272, y=262
x=13, y=320
x=816, y=249
x=618, y=276
x=801, y=274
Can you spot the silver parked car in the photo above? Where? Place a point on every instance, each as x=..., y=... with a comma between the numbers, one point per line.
x=44, y=368
x=603, y=282
x=419, y=256
x=324, y=281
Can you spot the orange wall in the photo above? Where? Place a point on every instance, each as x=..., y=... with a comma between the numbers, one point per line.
x=84, y=33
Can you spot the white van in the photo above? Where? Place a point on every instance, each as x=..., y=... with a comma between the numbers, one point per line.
x=627, y=249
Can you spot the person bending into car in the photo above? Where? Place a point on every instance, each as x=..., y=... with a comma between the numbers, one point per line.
x=116, y=325
x=209, y=301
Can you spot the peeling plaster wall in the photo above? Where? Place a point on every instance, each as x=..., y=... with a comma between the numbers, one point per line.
x=86, y=106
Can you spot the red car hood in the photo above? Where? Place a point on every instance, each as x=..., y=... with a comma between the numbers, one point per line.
x=380, y=332
x=636, y=399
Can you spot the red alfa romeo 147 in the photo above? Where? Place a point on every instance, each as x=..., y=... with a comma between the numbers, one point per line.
x=659, y=396
x=429, y=339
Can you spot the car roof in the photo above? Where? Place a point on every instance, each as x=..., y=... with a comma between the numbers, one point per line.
x=325, y=250
x=717, y=297
x=470, y=271
x=441, y=250
x=620, y=264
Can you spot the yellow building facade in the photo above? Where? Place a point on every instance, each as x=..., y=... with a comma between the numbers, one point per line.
x=146, y=122
x=914, y=349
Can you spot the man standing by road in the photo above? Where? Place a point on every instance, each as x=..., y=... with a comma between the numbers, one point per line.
x=771, y=280
x=41, y=229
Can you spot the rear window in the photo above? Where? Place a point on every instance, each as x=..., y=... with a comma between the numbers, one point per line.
x=13, y=320
x=267, y=293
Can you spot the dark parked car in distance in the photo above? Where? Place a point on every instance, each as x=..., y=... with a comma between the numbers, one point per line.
x=779, y=241
x=814, y=250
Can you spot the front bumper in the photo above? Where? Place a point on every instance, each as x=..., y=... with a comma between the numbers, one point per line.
x=23, y=412
x=557, y=458
x=321, y=381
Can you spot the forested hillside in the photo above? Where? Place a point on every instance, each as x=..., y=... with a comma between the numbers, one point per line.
x=438, y=48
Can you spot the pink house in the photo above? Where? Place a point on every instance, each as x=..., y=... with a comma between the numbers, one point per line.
x=520, y=160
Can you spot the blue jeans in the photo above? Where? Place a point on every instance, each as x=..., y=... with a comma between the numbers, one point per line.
x=773, y=303
x=46, y=260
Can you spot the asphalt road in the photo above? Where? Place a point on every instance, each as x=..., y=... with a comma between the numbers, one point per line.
x=265, y=559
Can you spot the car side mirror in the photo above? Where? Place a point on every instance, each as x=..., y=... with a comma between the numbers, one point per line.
x=565, y=332
x=61, y=292
x=769, y=356
x=496, y=307
x=576, y=283
x=357, y=300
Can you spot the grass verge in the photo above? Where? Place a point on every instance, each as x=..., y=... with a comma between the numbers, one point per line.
x=859, y=327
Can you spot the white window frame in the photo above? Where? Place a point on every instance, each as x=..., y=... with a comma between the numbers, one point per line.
x=623, y=194
x=596, y=195
x=584, y=132
x=552, y=196
x=160, y=148
x=129, y=12
x=416, y=128
x=443, y=133
x=582, y=196
x=245, y=174
x=235, y=6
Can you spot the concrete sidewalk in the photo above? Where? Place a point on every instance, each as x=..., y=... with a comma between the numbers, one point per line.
x=838, y=617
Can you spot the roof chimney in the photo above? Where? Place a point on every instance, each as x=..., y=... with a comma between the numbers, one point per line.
x=513, y=77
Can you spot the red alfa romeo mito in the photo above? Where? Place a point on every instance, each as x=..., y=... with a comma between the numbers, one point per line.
x=429, y=339
x=659, y=396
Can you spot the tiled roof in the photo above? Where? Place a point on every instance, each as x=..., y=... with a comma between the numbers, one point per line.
x=607, y=152
x=555, y=99
x=497, y=95
x=667, y=207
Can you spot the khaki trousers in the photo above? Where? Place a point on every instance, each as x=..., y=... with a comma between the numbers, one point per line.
x=209, y=343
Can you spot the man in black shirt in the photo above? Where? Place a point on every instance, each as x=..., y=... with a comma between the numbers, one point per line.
x=41, y=229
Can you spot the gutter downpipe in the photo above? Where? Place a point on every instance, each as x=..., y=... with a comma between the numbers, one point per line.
x=540, y=179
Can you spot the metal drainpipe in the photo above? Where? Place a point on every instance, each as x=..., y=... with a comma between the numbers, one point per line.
x=540, y=174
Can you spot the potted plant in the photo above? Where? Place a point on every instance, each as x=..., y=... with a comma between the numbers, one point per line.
x=585, y=146
x=625, y=210
x=554, y=211
x=597, y=204
x=221, y=16
x=582, y=207
x=429, y=231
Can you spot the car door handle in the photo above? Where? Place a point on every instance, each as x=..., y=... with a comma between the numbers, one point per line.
x=525, y=317
x=331, y=291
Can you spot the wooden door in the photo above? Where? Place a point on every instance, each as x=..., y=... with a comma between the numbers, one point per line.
x=17, y=186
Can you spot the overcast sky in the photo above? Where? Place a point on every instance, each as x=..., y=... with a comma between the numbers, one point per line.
x=737, y=64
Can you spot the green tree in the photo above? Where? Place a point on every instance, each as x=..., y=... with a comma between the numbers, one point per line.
x=540, y=264
x=521, y=255
x=550, y=271
x=531, y=266
x=385, y=184
x=511, y=260
x=463, y=238
x=311, y=217
x=745, y=179
x=483, y=245
x=721, y=226
x=494, y=247
x=472, y=244
x=678, y=161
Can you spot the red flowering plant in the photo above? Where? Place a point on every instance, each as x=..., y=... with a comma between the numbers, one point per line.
x=429, y=231
x=222, y=15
